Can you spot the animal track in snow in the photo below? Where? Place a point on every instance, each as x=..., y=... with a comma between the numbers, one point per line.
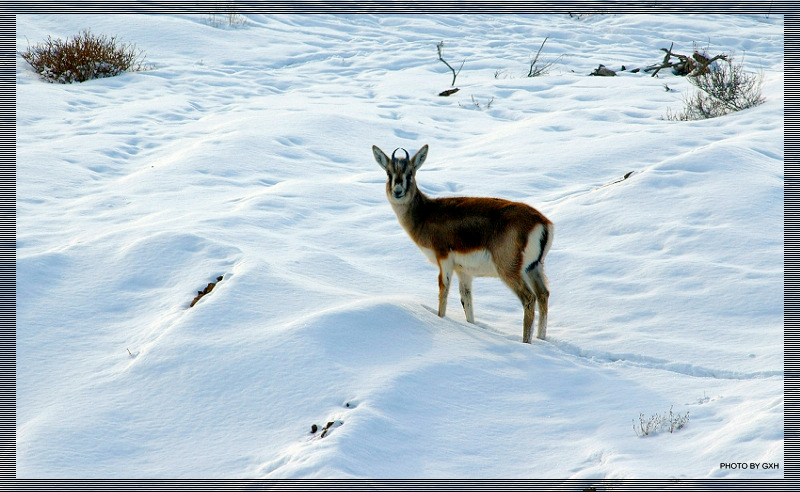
x=654, y=363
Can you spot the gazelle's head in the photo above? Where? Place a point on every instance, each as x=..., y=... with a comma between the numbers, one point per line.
x=400, y=171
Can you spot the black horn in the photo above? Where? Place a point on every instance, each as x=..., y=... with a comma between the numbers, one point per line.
x=399, y=148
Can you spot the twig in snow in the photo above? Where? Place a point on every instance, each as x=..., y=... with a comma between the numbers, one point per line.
x=535, y=70
x=455, y=74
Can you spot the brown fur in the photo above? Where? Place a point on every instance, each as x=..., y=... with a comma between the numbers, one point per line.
x=466, y=224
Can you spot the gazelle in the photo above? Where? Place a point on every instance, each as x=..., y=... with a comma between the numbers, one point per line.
x=475, y=237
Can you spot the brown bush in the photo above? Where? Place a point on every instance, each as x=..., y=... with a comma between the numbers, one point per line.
x=723, y=89
x=83, y=57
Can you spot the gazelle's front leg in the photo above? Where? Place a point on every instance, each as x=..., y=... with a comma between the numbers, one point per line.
x=465, y=289
x=445, y=275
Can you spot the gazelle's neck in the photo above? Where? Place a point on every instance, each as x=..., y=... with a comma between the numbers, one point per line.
x=408, y=211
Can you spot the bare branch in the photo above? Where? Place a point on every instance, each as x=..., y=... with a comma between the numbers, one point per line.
x=664, y=63
x=455, y=74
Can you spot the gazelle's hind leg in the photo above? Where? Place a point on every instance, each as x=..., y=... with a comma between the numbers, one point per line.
x=528, y=301
x=465, y=289
x=524, y=292
x=541, y=291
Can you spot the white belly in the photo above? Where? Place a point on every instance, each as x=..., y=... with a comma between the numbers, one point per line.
x=476, y=264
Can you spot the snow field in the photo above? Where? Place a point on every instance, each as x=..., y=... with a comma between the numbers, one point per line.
x=246, y=153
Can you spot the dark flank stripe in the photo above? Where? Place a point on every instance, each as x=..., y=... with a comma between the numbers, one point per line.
x=8, y=248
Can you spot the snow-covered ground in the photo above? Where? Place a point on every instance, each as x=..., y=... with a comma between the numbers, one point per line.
x=245, y=152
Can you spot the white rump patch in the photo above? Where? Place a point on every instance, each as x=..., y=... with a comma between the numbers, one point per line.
x=534, y=246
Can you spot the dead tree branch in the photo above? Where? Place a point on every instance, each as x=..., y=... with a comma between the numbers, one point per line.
x=694, y=65
x=455, y=74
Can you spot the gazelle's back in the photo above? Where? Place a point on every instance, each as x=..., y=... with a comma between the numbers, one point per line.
x=468, y=223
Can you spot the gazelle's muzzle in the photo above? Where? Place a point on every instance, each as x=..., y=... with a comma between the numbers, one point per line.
x=399, y=184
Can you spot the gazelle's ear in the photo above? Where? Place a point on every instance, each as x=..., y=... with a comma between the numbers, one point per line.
x=419, y=157
x=380, y=157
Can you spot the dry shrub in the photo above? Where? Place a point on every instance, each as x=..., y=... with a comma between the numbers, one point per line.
x=656, y=423
x=83, y=57
x=724, y=88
